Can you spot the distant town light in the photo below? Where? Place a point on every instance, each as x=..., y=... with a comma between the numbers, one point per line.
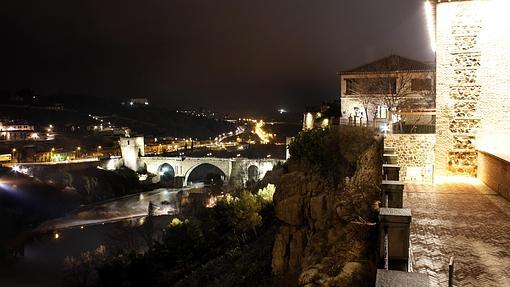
x=56, y=235
x=281, y=111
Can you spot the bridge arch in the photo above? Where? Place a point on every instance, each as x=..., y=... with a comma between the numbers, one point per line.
x=166, y=171
x=253, y=173
x=199, y=172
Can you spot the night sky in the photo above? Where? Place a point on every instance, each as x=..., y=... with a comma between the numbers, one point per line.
x=226, y=55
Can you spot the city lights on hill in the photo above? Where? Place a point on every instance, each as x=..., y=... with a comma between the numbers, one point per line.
x=264, y=136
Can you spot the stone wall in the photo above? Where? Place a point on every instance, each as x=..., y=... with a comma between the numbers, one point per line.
x=415, y=155
x=473, y=80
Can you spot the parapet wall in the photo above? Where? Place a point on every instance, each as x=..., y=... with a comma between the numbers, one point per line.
x=494, y=171
x=415, y=155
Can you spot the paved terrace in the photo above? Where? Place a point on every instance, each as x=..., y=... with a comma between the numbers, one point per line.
x=467, y=220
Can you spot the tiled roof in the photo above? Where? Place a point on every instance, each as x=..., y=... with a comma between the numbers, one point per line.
x=390, y=64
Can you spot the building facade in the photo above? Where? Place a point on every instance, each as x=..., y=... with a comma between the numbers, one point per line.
x=17, y=132
x=391, y=91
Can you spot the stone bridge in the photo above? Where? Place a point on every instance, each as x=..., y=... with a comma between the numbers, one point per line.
x=234, y=170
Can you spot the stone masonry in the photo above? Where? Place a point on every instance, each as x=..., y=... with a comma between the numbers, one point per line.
x=415, y=153
x=473, y=102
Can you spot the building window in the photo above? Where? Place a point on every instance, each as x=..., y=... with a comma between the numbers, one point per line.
x=349, y=86
x=418, y=85
x=371, y=86
x=382, y=112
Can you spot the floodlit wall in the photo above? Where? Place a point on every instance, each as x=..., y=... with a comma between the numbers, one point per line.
x=415, y=155
x=131, y=149
x=473, y=83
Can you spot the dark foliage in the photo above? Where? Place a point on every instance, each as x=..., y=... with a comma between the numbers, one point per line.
x=332, y=152
x=192, y=252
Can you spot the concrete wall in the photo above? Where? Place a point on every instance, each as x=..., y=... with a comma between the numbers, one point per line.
x=473, y=82
x=494, y=171
x=415, y=155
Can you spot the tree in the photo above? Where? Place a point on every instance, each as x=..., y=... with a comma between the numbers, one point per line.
x=397, y=90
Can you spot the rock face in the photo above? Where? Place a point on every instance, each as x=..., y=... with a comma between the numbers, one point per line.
x=326, y=238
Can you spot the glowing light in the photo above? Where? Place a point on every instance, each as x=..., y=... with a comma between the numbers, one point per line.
x=431, y=27
x=56, y=235
x=385, y=128
x=13, y=150
x=457, y=179
x=261, y=133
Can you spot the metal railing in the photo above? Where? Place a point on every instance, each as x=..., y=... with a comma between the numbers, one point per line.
x=381, y=125
x=451, y=270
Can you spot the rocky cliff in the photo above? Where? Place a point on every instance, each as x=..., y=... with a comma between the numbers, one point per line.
x=327, y=236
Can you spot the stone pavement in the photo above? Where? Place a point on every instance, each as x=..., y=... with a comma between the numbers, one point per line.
x=464, y=219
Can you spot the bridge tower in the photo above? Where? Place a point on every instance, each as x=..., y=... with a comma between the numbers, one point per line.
x=132, y=148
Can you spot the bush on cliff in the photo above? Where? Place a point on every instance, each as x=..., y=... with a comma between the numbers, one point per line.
x=333, y=153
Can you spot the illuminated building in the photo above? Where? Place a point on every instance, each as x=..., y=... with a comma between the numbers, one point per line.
x=473, y=81
x=369, y=92
x=138, y=102
x=17, y=132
